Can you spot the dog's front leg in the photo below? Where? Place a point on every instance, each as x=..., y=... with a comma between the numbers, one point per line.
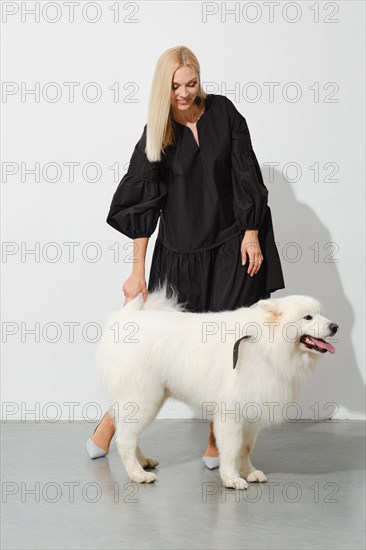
x=246, y=468
x=228, y=435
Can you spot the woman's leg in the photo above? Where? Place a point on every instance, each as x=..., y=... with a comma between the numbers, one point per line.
x=104, y=432
x=211, y=448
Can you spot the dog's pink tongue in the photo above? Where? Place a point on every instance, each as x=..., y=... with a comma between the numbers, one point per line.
x=324, y=345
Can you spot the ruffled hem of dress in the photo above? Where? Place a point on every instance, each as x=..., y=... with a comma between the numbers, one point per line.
x=214, y=279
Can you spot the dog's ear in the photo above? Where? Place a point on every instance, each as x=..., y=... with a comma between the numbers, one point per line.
x=271, y=307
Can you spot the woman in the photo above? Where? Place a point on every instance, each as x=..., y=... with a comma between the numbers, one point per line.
x=195, y=168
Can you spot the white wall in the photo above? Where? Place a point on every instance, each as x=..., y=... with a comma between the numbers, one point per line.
x=317, y=140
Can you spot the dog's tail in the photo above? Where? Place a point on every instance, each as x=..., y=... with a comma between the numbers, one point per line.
x=164, y=297
x=134, y=304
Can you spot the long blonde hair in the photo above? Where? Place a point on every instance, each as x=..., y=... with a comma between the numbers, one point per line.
x=159, y=132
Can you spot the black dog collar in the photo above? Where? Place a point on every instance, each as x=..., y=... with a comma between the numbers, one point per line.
x=236, y=350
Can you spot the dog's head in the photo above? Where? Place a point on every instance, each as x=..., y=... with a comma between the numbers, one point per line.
x=299, y=320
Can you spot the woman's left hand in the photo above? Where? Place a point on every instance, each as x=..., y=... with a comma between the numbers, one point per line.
x=250, y=248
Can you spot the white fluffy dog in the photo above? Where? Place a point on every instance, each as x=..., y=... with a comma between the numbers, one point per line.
x=225, y=363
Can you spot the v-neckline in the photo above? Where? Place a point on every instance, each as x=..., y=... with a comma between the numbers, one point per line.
x=190, y=129
x=198, y=145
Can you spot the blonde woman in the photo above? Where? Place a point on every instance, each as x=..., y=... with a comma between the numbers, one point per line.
x=194, y=168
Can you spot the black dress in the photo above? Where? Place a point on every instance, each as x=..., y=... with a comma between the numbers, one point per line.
x=206, y=196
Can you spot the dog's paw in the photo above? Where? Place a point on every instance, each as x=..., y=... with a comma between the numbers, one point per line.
x=148, y=462
x=236, y=483
x=145, y=477
x=256, y=475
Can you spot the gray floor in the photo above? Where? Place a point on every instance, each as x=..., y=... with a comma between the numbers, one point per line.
x=55, y=497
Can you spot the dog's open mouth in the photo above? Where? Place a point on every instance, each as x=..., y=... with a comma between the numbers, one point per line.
x=317, y=343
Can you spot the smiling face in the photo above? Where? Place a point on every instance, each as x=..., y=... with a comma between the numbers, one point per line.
x=312, y=327
x=300, y=321
x=315, y=328
x=185, y=86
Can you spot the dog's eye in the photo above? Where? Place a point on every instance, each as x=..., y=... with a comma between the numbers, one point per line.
x=308, y=317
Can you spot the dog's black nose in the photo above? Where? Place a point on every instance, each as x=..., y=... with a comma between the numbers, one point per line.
x=333, y=327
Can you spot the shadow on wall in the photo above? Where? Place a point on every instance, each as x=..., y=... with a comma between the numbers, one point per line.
x=310, y=260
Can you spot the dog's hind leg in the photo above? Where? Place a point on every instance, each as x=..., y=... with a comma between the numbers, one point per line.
x=145, y=461
x=127, y=448
x=246, y=468
x=228, y=435
x=127, y=442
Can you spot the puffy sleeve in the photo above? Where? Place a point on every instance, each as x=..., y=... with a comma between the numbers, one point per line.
x=140, y=195
x=249, y=192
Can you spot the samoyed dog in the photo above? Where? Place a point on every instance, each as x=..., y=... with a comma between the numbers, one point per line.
x=239, y=367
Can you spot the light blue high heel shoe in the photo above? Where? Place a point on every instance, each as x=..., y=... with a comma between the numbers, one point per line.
x=92, y=448
x=211, y=462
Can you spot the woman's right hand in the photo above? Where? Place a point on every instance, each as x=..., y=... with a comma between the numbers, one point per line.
x=133, y=286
